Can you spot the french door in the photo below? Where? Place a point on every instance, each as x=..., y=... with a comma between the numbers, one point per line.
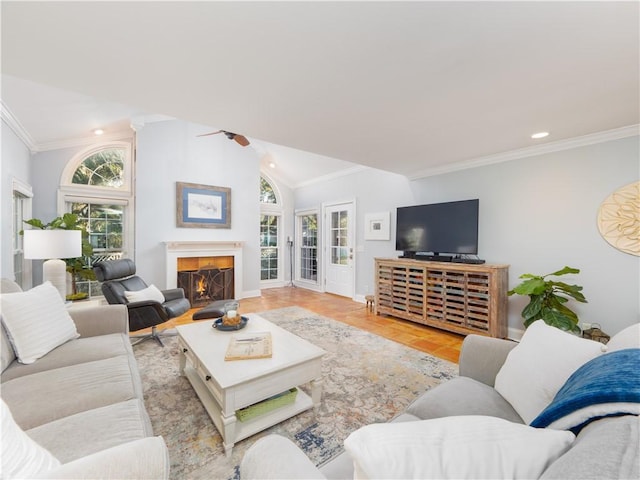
x=339, y=248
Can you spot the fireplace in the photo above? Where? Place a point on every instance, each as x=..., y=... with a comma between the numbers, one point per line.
x=206, y=285
x=223, y=258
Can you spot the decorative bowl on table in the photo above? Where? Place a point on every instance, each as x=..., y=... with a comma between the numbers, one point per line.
x=229, y=324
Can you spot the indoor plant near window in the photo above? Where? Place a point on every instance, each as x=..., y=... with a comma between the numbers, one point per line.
x=548, y=299
x=77, y=267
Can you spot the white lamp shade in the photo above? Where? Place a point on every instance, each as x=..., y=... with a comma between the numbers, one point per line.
x=46, y=244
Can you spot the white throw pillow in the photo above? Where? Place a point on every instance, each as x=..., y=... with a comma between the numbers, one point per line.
x=149, y=293
x=537, y=368
x=455, y=447
x=627, y=338
x=36, y=321
x=21, y=456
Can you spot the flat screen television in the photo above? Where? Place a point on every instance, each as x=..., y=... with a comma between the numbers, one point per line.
x=437, y=228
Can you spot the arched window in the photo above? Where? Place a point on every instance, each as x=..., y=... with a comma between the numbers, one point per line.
x=267, y=193
x=104, y=168
x=96, y=185
x=270, y=242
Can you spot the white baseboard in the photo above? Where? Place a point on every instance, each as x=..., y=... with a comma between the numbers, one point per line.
x=251, y=293
x=359, y=298
x=515, y=333
x=314, y=287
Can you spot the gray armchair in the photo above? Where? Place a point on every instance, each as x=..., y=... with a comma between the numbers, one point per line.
x=118, y=276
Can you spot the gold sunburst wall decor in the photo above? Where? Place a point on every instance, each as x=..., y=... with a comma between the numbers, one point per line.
x=619, y=219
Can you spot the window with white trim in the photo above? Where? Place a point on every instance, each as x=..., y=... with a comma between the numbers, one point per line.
x=270, y=221
x=96, y=185
x=269, y=259
x=307, y=241
x=22, y=195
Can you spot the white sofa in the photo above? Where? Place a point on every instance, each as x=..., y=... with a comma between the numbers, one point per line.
x=82, y=402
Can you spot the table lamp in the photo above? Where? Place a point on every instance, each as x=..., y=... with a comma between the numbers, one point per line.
x=52, y=245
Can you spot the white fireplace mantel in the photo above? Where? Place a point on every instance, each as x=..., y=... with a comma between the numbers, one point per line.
x=184, y=249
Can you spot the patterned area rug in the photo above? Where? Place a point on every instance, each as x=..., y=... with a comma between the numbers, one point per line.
x=366, y=379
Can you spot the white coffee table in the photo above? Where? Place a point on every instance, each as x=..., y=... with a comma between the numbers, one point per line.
x=226, y=386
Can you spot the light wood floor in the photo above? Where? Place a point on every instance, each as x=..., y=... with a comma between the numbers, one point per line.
x=429, y=340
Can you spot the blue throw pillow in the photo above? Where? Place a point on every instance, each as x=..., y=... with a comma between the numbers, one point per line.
x=608, y=385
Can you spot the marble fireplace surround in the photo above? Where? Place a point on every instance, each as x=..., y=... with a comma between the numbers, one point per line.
x=188, y=249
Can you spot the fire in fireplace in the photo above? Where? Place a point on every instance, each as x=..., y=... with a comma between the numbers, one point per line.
x=207, y=285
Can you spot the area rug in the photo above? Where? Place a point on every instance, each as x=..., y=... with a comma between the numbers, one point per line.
x=366, y=379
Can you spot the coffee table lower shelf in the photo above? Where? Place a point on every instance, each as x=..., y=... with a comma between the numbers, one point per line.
x=230, y=428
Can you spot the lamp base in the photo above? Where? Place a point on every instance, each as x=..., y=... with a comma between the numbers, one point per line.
x=55, y=271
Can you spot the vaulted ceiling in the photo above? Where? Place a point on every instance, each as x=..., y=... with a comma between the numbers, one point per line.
x=407, y=87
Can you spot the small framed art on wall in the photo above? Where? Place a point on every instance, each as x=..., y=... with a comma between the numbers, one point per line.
x=376, y=226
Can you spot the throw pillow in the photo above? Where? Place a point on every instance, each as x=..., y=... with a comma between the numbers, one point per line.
x=537, y=368
x=627, y=338
x=605, y=386
x=36, y=321
x=21, y=456
x=150, y=293
x=455, y=447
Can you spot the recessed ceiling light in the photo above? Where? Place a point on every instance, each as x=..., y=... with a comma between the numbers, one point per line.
x=540, y=135
x=272, y=164
x=98, y=131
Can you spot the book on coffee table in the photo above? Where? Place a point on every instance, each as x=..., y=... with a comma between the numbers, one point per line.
x=248, y=346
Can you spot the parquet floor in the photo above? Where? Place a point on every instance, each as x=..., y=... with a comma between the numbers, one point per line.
x=436, y=342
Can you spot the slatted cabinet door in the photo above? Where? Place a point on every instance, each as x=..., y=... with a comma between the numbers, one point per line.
x=401, y=289
x=456, y=297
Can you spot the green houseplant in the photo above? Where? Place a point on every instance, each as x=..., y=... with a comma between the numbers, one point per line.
x=548, y=298
x=77, y=267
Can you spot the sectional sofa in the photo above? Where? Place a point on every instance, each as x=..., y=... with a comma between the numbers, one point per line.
x=583, y=397
x=79, y=404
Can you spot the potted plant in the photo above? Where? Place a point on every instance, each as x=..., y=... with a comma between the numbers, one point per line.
x=77, y=267
x=548, y=299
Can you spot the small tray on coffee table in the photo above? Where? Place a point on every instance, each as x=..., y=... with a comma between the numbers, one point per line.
x=218, y=325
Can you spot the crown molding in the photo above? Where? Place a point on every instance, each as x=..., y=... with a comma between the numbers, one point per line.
x=558, y=146
x=82, y=141
x=14, y=124
x=135, y=124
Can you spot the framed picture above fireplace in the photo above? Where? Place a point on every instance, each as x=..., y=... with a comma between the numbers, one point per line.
x=202, y=206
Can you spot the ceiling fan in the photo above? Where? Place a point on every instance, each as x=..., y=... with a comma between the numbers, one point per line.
x=240, y=139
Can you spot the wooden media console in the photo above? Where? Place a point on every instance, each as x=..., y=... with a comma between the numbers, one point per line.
x=458, y=297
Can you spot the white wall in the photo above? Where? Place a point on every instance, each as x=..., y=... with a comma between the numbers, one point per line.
x=167, y=152
x=374, y=191
x=14, y=164
x=170, y=151
x=537, y=214
x=47, y=170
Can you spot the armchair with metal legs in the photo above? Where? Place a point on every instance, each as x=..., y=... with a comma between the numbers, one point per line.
x=118, y=277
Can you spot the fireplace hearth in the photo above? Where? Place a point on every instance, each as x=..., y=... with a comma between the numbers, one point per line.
x=206, y=285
